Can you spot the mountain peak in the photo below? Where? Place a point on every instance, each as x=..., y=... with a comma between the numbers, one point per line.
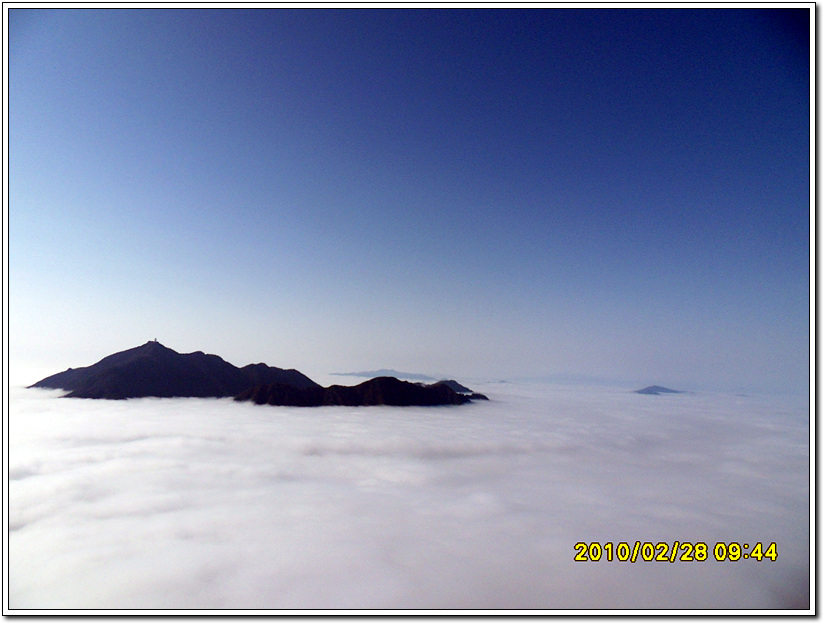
x=155, y=370
x=154, y=345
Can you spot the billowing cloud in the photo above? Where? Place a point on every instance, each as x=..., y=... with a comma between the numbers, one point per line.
x=208, y=503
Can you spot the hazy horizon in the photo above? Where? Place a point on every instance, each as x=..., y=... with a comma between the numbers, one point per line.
x=21, y=377
x=486, y=194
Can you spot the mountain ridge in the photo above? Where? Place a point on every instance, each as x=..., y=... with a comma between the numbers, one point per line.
x=155, y=370
x=377, y=391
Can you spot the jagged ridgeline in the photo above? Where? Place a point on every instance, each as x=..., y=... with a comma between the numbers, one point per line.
x=153, y=370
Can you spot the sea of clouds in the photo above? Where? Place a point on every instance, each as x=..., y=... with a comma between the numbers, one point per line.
x=212, y=504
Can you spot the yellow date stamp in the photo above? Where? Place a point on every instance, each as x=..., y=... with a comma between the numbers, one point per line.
x=675, y=551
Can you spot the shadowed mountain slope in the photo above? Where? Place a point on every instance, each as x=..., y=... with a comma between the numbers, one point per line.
x=152, y=370
x=378, y=391
x=451, y=383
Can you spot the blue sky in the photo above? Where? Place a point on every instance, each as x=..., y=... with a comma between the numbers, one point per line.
x=615, y=193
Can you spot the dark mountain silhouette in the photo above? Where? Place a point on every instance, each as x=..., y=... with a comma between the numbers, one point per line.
x=153, y=370
x=451, y=383
x=459, y=388
x=378, y=391
x=657, y=390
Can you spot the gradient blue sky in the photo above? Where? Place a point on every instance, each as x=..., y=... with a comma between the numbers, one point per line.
x=481, y=193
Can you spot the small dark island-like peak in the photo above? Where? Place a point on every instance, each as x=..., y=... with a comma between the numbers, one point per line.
x=658, y=390
x=451, y=383
x=387, y=372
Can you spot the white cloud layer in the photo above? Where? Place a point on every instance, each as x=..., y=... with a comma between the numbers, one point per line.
x=208, y=503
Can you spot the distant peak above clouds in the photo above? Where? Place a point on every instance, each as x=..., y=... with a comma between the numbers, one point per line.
x=658, y=390
x=387, y=372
